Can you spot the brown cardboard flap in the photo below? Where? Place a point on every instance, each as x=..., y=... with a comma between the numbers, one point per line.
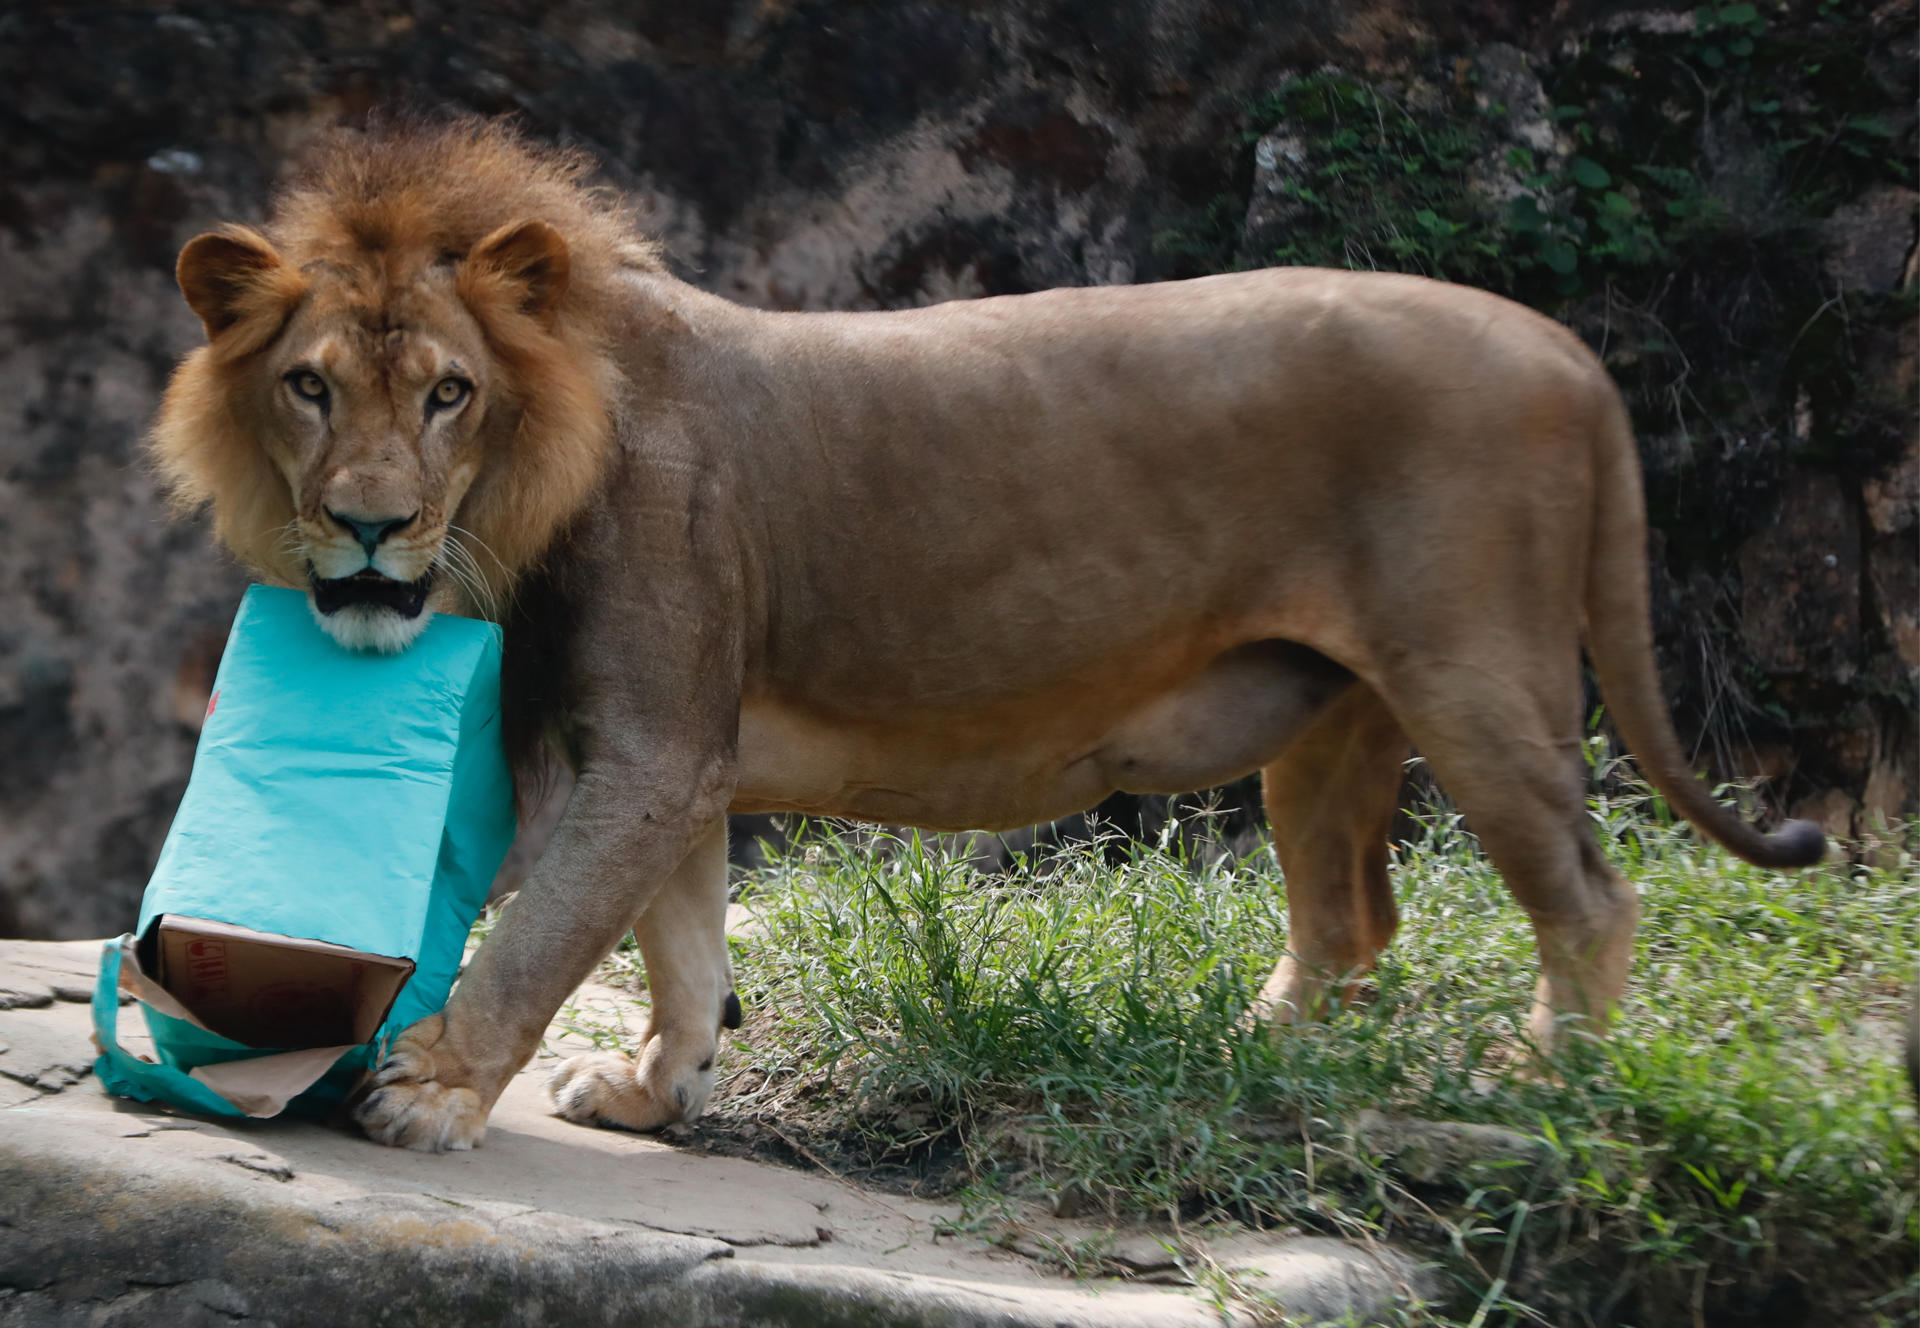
x=275, y=991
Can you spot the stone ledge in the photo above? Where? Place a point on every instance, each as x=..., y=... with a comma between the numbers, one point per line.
x=99, y=1230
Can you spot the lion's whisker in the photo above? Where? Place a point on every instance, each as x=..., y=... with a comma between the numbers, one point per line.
x=460, y=565
x=459, y=538
x=466, y=534
x=458, y=575
x=461, y=579
x=287, y=538
x=483, y=592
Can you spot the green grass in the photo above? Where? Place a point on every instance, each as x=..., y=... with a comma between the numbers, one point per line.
x=1744, y=1143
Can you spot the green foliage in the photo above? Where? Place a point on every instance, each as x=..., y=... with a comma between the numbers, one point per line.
x=1773, y=123
x=1385, y=185
x=1744, y=1134
x=1724, y=35
x=1728, y=147
x=1389, y=187
x=1207, y=242
x=1383, y=188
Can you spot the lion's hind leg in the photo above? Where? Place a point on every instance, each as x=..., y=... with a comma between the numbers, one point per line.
x=1330, y=798
x=1503, y=736
x=682, y=935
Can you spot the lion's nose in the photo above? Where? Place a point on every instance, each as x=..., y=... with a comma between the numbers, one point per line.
x=370, y=530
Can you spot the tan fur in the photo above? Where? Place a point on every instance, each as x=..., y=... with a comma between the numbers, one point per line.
x=974, y=565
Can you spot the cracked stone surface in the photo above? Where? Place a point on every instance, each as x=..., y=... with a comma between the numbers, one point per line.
x=120, y=1213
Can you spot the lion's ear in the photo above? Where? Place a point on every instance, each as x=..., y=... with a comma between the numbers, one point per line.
x=232, y=274
x=529, y=259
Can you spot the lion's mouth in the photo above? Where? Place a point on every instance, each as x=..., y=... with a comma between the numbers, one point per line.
x=368, y=588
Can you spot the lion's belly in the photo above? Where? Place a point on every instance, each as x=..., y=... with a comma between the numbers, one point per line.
x=1022, y=765
x=790, y=762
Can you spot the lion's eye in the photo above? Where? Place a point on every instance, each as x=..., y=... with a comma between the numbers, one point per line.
x=447, y=393
x=308, y=384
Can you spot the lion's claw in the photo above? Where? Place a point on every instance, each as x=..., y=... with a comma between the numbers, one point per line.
x=408, y=1108
x=427, y=1117
x=402, y=1065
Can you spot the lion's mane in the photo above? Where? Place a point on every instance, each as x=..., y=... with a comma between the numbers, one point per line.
x=369, y=209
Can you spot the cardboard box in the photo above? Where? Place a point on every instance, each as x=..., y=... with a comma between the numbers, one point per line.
x=278, y=992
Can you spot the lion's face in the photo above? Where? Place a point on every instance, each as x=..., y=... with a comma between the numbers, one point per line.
x=375, y=424
x=396, y=432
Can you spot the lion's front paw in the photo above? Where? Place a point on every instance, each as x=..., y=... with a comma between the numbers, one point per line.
x=605, y=1089
x=409, y=1108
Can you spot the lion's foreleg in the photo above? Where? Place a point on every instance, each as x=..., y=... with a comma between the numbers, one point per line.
x=682, y=934
x=625, y=833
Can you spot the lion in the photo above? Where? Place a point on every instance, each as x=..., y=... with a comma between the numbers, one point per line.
x=976, y=565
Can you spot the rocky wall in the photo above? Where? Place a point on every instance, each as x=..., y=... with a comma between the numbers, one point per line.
x=816, y=155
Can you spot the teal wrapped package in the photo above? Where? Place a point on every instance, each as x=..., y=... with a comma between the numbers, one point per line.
x=344, y=820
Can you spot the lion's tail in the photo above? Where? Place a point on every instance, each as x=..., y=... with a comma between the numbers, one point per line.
x=1620, y=643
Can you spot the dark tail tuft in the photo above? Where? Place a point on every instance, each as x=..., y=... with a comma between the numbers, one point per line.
x=1795, y=844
